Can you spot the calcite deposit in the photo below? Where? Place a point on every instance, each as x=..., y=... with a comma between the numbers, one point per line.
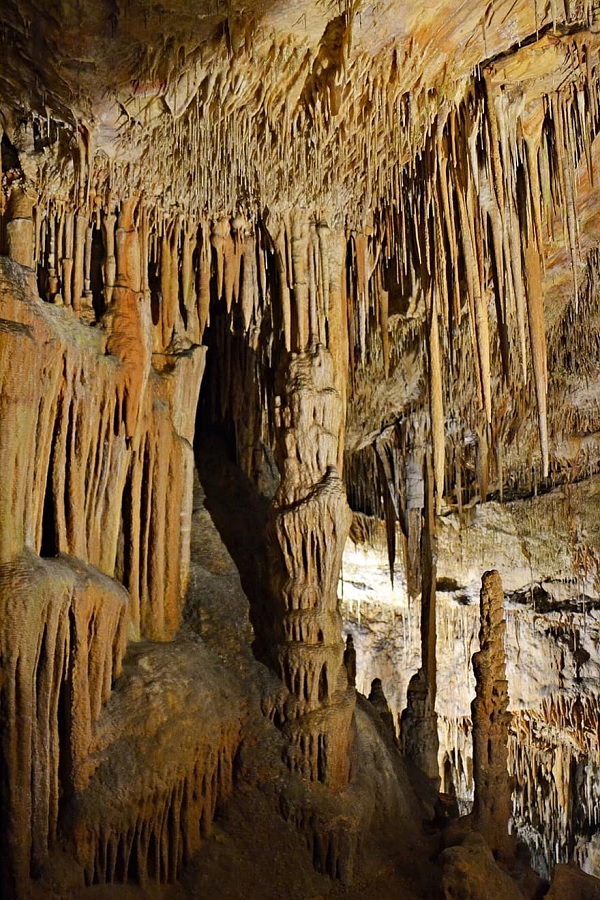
x=343, y=259
x=491, y=720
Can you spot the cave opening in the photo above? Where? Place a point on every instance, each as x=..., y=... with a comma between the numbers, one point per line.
x=49, y=536
x=230, y=401
x=97, y=261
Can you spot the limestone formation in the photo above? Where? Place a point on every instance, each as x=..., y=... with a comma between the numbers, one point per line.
x=471, y=871
x=63, y=638
x=491, y=720
x=356, y=245
x=419, y=730
x=310, y=523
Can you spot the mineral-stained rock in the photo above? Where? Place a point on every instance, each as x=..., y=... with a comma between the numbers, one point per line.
x=97, y=463
x=491, y=720
x=377, y=699
x=311, y=519
x=471, y=873
x=161, y=760
x=62, y=634
x=568, y=881
x=96, y=452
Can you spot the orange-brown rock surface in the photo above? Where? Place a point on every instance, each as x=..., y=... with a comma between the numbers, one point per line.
x=310, y=524
x=491, y=720
x=376, y=223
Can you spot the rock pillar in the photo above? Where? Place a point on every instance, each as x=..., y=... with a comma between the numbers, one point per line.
x=310, y=522
x=310, y=517
x=419, y=737
x=20, y=227
x=491, y=719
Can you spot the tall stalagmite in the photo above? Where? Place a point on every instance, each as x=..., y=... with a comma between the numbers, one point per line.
x=491, y=720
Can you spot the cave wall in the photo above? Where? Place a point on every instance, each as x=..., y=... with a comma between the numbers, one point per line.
x=392, y=258
x=547, y=560
x=96, y=447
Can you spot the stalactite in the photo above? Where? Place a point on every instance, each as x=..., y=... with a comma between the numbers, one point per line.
x=277, y=234
x=76, y=454
x=418, y=726
x=144, y=826
x=436, y=395
x=169, y=283
x=203, y=279
x=109, y=221
x=537, y=335
x=299, y=251
x=53, y=658
x=81, y=224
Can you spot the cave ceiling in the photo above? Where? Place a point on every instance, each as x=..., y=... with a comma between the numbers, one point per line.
x=454, y=143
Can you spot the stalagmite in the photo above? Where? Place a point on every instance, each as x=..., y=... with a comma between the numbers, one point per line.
x=491, y=720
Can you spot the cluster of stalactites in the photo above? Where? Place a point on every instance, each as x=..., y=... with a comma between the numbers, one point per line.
x=63, y=628
x=152, y=840
x=471, y=226
x=286, y=124
x=456, y=244
x=554, y=759
x=461, y=252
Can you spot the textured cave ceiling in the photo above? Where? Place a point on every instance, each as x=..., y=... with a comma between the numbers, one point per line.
x=454, y=142
x=357, y=239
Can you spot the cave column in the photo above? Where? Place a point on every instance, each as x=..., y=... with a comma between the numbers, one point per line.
x=419, y=732
x=310, y=516
x=20, y=227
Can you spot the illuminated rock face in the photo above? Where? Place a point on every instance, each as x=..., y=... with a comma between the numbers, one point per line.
x=552, y=628
x=491, y=720
x=382, y=223
x=311, y=519
x=63, y=637
x=97, y=454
